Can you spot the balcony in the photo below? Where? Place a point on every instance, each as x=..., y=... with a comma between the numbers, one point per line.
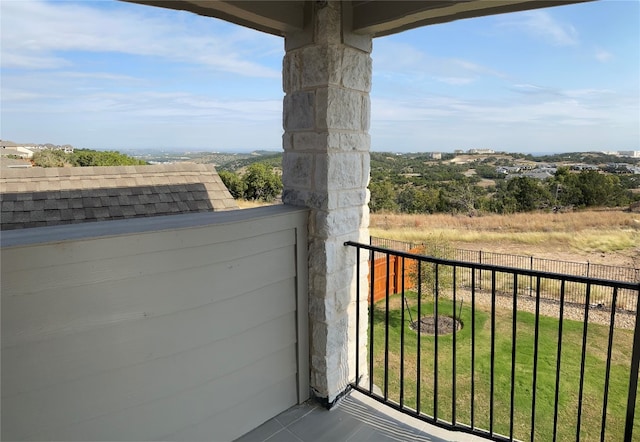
x=206, y=326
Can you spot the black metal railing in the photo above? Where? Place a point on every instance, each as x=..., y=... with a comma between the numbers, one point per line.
x=513, y=365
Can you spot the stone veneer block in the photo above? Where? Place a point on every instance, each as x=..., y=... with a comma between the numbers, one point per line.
x=299, y=168
x=291, y=71
x=328, y=23
x=356, y=66
x=322, y=66
x=340, y=109
x=309, y=142
x=298, y=113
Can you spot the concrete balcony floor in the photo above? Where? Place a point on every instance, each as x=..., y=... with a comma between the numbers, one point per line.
x=356, y=418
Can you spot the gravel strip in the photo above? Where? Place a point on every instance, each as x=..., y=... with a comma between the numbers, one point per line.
x=597, y=315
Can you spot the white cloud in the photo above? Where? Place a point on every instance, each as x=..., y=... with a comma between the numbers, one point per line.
x=428, y=109
x=529, y=88
x=145, y=104
x=568, y=120
x=455, y=81
x=562, y=108
x=540, y=24
x=410, y=64
x=95, y=75
x=603, y=56
x=29, y=61
x=17, y=95
x=40, y=34
x=535, y=92
x=598, y=94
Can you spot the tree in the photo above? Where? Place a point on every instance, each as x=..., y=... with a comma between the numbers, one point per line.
x=413, y=200
x=601, y=190
x=88, y=157
x=234, y=183
x=261, y=182
x=83, y=158
x=488, y=171
x=50, y=158
x=461, y=196
x=521, y=194
x=383, y=196
x=565, y=188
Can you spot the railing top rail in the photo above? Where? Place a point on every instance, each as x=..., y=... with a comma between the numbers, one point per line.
x=513, y=270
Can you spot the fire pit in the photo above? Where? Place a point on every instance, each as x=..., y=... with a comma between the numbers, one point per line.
x=446, y=325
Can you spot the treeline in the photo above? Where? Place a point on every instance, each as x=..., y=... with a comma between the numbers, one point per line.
x=417, y=183
x=259, y=182
x=565, y=190
x=83, y=158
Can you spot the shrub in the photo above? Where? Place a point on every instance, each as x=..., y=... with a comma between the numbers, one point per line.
x=427, y=274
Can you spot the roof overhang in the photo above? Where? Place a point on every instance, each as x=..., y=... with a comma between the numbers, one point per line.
x=371, y=17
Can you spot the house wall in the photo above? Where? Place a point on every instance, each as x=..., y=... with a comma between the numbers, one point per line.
x=184, y=327
x=17, y=150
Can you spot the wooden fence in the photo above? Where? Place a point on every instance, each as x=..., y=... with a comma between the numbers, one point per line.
x=382, y=285
x=392, y=283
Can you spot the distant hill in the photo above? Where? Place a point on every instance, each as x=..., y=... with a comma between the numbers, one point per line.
x=229, y=161
x=8, y=143
x=271, y=158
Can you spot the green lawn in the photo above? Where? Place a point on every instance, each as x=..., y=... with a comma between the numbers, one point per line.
x=572, y=335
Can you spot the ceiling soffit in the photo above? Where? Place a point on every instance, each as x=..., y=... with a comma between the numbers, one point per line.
x=369, y=17
x=379, y=18
x=277, y=17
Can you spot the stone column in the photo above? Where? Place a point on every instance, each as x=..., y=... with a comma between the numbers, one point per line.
x=326, y=80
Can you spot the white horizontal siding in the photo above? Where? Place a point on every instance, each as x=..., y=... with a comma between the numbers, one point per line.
x=154, y=419
x=68, y=309
x=70, y=356
x=262, y=405
x=154, y=334
x=82, y=265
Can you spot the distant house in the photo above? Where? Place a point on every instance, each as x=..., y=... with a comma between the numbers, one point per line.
x=621, y=168
x=481, y=151
x=581, y=167
x=21, y=151
x=539, y=174
x=525, y=166
x=507, y=170
x=51, y=196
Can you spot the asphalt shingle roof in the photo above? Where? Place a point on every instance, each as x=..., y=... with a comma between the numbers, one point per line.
x=64, y=195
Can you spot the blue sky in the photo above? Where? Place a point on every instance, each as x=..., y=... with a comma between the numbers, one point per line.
x=108, y=74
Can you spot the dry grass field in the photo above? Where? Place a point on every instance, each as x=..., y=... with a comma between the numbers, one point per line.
x=609, y=237
x=244, y=204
